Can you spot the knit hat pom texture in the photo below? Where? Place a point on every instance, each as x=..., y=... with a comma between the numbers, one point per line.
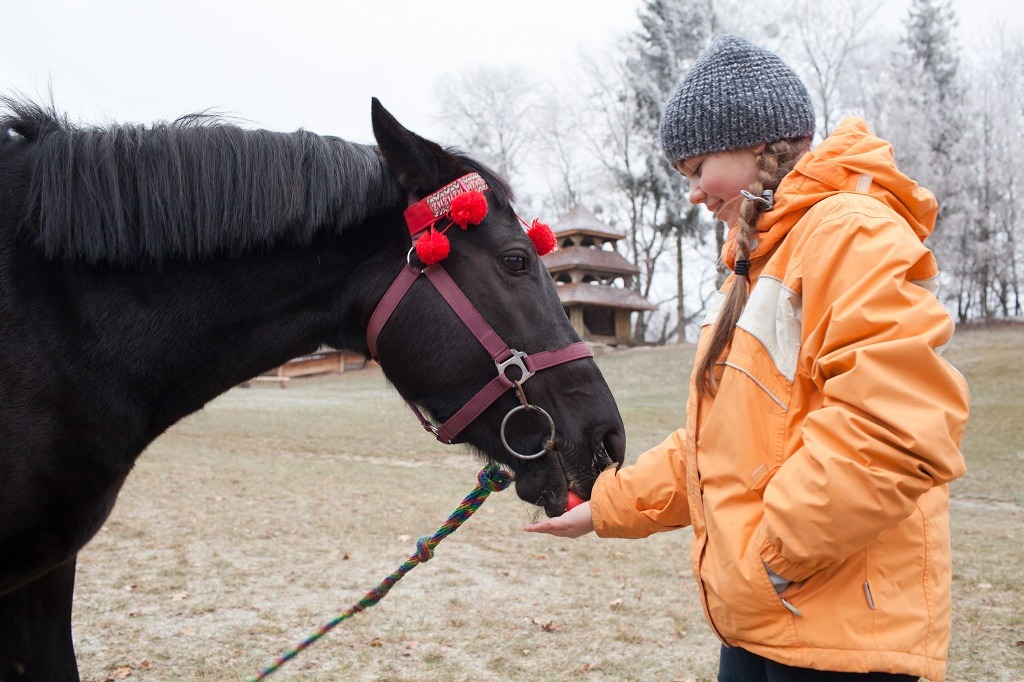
x=735, y=95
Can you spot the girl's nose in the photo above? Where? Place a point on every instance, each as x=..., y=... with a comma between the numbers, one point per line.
x=697, y=195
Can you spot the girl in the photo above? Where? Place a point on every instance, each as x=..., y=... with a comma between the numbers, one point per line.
x=822, y=425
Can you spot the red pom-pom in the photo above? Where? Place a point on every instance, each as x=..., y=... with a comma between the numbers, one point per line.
x=542, y=237
x=572, y=500
x=468, y=208
x=433, y=247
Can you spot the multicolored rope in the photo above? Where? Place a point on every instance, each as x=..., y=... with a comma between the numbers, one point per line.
x=490, y=479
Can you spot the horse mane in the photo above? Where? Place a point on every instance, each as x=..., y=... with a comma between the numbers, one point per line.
x=191, y=188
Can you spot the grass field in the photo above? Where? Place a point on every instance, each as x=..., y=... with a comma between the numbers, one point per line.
x=261, y=517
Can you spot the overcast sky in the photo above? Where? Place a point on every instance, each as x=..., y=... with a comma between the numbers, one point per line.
x=307, y=63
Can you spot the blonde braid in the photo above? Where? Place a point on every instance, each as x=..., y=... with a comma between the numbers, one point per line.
x=773, y=164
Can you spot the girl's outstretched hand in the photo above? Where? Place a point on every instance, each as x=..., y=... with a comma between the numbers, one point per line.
x=571, y=524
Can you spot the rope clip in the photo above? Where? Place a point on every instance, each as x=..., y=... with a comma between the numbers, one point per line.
x=767, y=198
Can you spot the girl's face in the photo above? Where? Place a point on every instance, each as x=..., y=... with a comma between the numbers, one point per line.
x=717, y=178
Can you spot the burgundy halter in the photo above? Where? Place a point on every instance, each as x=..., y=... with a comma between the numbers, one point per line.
x=419, y=216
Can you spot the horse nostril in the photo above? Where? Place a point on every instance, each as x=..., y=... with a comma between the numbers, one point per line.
x=615, y=446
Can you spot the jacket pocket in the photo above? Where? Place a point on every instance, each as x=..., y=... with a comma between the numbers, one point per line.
x=756, y=387
x=741, y=600
x=753, y=411
x=835, y=606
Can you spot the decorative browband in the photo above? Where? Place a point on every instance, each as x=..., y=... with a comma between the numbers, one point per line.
x=462, y=203
x=433, y=207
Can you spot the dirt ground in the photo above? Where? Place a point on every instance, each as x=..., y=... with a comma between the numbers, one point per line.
x=263, y=516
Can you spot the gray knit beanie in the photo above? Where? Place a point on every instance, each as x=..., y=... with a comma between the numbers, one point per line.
x=735, y=95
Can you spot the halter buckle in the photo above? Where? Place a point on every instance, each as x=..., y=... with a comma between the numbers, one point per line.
x=518, y=359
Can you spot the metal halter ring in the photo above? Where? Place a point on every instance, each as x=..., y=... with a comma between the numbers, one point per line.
x=408, y=256
x=549, y=445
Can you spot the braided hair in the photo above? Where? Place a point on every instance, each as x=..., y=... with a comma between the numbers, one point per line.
x=773, y=164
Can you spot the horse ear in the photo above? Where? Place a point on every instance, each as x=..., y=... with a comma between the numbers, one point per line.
x=419, y=164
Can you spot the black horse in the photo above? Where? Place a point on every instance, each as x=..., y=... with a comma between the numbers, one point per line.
x=145, y=270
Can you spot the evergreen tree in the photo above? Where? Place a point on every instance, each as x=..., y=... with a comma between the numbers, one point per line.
x=672, y=34
x=928, y=120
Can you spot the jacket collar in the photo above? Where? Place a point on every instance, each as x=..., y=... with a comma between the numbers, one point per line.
x=851, y=159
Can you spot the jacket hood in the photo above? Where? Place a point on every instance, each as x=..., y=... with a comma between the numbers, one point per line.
x=851, y=159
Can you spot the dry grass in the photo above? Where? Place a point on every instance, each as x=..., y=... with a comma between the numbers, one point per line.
x=261, y=517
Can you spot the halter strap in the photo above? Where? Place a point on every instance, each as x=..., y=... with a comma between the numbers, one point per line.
x=483, y=332
x=392, y=297
x=462, y=306
x=476, y=405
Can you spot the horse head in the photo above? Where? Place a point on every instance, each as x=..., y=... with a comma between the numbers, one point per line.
x=556, y=429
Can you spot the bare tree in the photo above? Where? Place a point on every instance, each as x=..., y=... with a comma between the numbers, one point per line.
x=489, y=111
x=560, y=149
x=992, y=245
x=832, y=36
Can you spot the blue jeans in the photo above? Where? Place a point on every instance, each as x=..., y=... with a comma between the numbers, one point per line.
x=739, y=665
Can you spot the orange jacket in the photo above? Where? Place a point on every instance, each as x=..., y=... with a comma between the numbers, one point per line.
x=826, y=453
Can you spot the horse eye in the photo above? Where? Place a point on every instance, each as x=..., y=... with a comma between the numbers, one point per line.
x=514, y=262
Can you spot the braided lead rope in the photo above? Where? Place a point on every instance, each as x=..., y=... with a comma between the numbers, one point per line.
x=490, y=479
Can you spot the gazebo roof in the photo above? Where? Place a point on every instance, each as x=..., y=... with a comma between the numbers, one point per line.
x=589, y=259
x=596, y=294
x=581, y=221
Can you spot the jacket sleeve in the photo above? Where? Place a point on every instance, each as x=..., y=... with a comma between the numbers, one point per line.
x=645, y=498
x=893, y=410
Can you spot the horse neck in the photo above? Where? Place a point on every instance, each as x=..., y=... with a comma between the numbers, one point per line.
x=180, y=334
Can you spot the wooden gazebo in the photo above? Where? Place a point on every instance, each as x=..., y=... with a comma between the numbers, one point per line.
x=593, y=278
